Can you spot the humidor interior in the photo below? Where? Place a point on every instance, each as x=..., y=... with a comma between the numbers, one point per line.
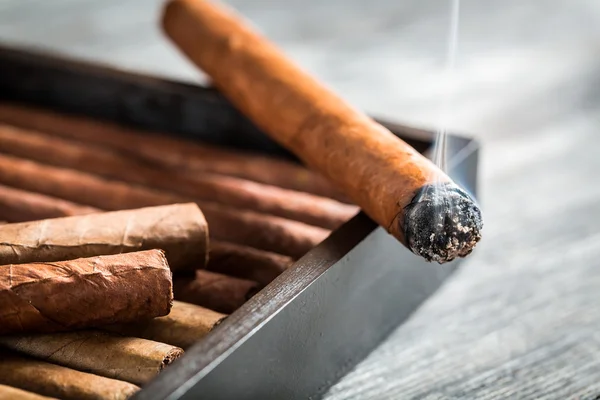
x=302, y=331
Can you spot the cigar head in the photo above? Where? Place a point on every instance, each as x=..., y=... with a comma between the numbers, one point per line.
x=442, y=222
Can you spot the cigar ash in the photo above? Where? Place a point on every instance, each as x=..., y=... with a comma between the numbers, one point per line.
x=442, y=222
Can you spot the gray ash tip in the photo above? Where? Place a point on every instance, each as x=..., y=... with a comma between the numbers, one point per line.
x=442, y=222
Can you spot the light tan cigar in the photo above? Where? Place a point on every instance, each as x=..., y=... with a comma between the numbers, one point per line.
x=127, y=359
x=57, y=381
x=11, y=393
x=185, y=325
x=395, y=185
x=179, y=229
x=20, y=205
x=235, y=192
x=181, y=156
x=218, y=292
x=83, y=293
x=262, y=231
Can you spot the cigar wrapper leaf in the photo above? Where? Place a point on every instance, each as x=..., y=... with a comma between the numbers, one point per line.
x=85, y=292
x=19, y=205
x=185, y=325
x=218, y=292
x=246, y=262
x=180, y=230
x=11, y=393
x=127, y=359
x=57, y=381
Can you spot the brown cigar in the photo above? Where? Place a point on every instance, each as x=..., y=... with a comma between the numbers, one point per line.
x=394, y=184
x=57, y=381
x=127, y=359
x=86, y=292
x=218, y=292
x=181, y=156
x=262, y=231
x=11, y=393
x=180, y=230
x=236, y=192
x=20, y=205
x=246, y=262
x=185, y=325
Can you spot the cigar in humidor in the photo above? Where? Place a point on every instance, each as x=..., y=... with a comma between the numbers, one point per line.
x=235, y=192
x=11, y=393
x=185, y=325
x=395, y=185
x=246, y=262
x=265, y=232
x=82, y=293
x=57, y=381
x=113, y=356
x=167, y=152
x=19, y=205
x=218, y=292
x=179, y=229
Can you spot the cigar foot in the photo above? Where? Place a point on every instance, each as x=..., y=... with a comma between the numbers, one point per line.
x=442, y=222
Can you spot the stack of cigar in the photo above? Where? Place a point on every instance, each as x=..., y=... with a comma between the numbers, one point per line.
x=122, y=248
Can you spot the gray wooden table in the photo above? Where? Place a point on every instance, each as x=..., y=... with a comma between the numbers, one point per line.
x=522, y=318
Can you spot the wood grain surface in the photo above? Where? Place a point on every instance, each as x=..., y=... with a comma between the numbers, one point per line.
x=522, y=318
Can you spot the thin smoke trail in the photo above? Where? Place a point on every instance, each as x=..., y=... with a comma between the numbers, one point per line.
x=439, y=153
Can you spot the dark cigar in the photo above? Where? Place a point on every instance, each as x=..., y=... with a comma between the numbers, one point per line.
x=20, y=205
x=262, y=231
x=218, y=292
x=246, y=262
x=235, y=192
x=394, y=184
x=182, y=156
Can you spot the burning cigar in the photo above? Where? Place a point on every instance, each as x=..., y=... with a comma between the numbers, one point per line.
x=81, y=293
x=127, y=359
x=311, y=209
x=218, y=292
x=11, y=393
x=262, y=231
x=180, y=230
x=246, y=262
x=395, y=185
x=57, y=381
x=167, y=152
x=185, y=325
x=19, y=205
